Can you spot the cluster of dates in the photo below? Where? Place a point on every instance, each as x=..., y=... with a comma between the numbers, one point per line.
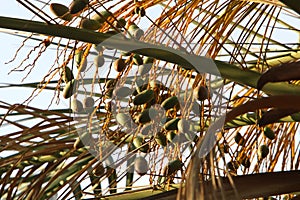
x=153, y=117
x=243, y=158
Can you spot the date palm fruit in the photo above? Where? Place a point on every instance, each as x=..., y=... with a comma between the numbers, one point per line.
x=99, y=170
x=146, y=67
x=269, y=133
x=139, y=82
x=200, y=93
x=88, y=102
x=188, y=136
x=137, y=59
x=245, y=161
x=120, y=23
x=143, y=97
x=148, y=60
x=183, y=126
x=147, y=129
x=136, y=10
x=145, y=148
x=170, y=102
x=154, y=113
x=138, y=141
x=141, y=165
x=195, y=107
x=58, y=9
x=170, y=170
x=122, y=92
x=78, y=144
x=78, y=5
x=161, y=139
x=224, y=148
x=110, y=83
x=142, y=12
x=119, y=65
x=98, y=47
x=76, y=105
x=154, y=84
x=140, y=86
x=262, y=151
x=152, y=102
x=135, y=31
x=61, y=11
x=146, y=116
x=82, y=67
x=99, y=61
x=239, y=139
x=233, y=165
x=66, y=74
x=69, y=89
x=124, y=119
x=78, y=56
x=171, y=136
x=128, y=139
x=172, y=167
x=162, y=97
x=171, y=124
x=90, y=24
x=109, y=92
x=102, y=16
x=79, y=59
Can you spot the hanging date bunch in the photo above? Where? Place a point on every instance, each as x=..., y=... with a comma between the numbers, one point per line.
x=125, y=99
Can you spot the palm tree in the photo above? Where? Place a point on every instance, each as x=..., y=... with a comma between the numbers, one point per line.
x=168, y=99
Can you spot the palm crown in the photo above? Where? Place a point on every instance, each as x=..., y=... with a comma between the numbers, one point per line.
x=195, y=97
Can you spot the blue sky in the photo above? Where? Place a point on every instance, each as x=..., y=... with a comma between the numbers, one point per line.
x=9, y=44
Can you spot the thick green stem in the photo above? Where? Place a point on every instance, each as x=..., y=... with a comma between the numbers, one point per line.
x=227, y=71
